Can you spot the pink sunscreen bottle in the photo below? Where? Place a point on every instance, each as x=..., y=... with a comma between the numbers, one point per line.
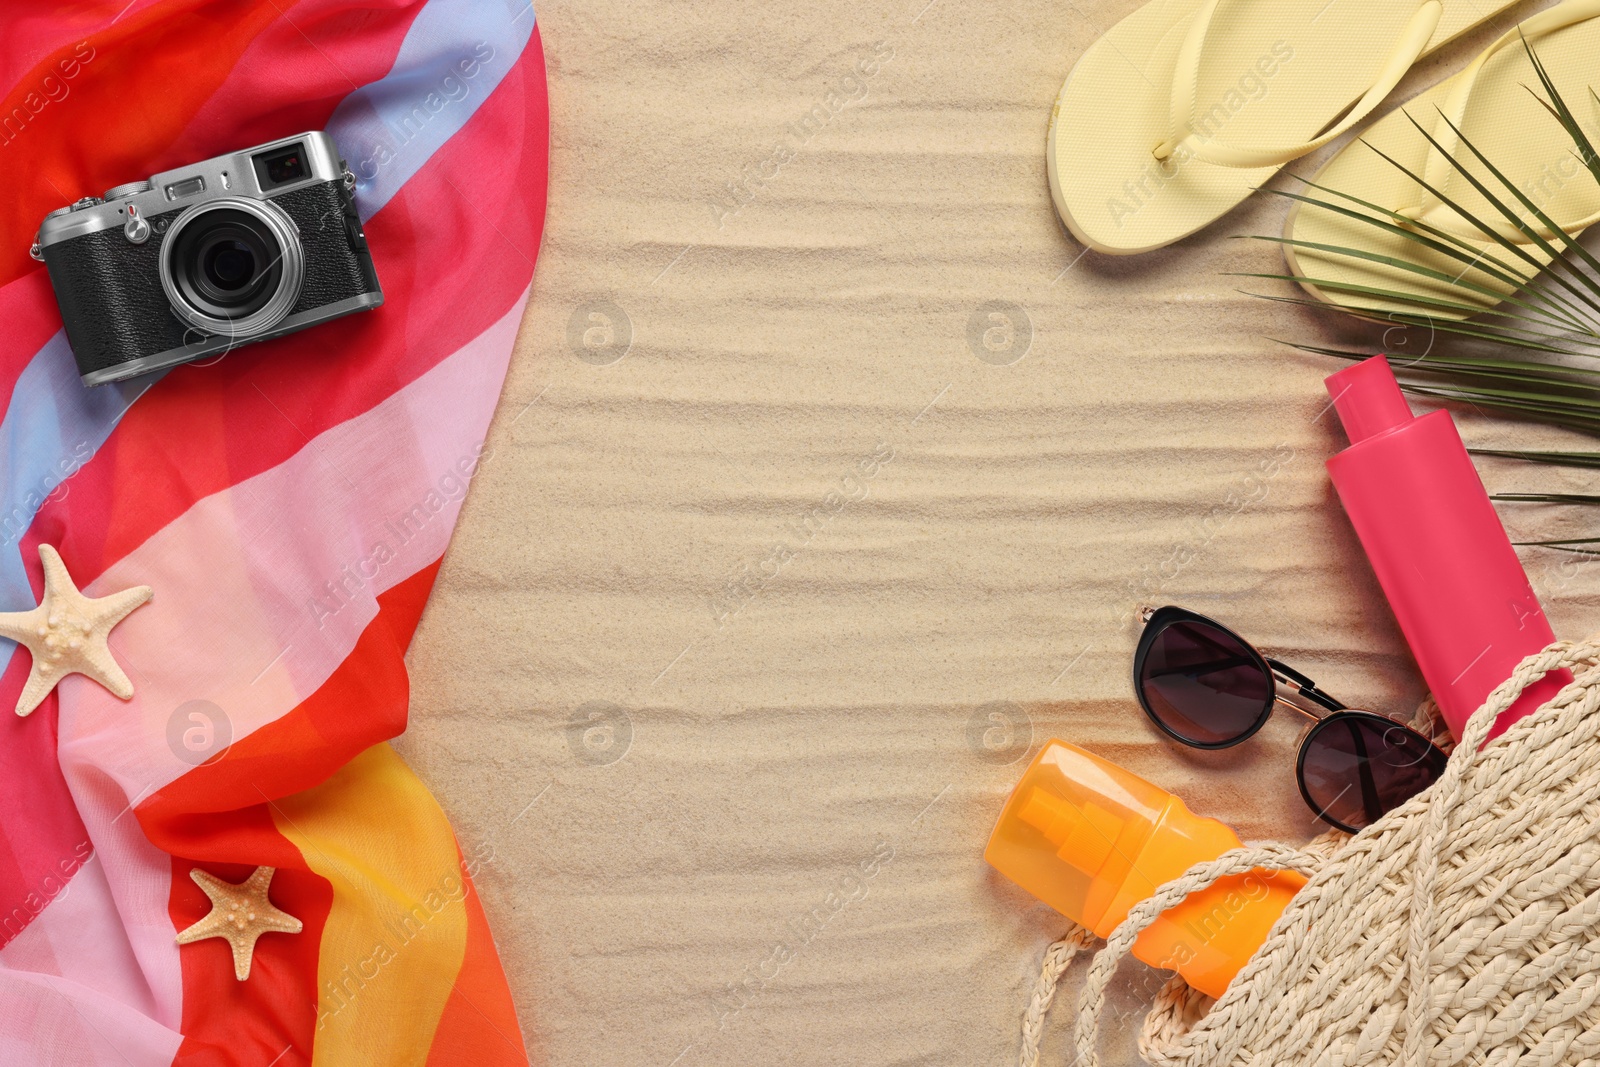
x=1443, y=558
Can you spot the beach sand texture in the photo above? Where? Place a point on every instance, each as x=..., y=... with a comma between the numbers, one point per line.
x=827, y=479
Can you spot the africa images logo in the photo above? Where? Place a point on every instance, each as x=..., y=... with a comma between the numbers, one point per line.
x=452, y=88
x=1250, y=88
x=351, y=583
x=53, y=88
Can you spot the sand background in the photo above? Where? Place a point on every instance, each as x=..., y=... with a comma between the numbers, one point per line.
x=680, y=716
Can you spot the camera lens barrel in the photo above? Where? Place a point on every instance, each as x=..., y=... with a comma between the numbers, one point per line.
x=233, y=266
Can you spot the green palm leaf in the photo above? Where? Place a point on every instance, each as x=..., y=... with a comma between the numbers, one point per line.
x=1507, y=332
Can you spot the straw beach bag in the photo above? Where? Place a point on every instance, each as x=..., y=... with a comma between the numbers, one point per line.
x=1461, y=928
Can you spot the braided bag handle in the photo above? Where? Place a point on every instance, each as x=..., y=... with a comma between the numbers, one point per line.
x=1464, y=926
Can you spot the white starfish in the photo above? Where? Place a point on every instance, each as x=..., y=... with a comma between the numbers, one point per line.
x=240, y=914
x=67, y=634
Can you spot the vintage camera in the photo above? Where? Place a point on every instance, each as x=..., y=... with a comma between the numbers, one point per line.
x=197, y=261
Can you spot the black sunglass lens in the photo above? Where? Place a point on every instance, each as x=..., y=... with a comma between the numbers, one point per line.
x=1204, y=685
x=1355, y=767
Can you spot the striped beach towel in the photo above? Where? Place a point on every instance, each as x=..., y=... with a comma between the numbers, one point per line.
x=289, y=504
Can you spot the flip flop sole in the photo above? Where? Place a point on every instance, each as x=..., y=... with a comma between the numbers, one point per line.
x=1273, y=72
x=1506, y=122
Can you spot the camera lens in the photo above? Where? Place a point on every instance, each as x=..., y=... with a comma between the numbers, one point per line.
x=229, y=264
x=232, y=266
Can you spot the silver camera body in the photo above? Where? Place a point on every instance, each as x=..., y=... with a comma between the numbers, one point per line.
x=202, y=259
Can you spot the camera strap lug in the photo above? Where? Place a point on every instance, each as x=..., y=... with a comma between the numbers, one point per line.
x=36, y=252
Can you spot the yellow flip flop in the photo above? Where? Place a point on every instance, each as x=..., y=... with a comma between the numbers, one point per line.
x=1185, y=107
x=1495, y=104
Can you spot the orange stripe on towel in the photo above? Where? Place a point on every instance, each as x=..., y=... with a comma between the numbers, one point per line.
x=479, y=1025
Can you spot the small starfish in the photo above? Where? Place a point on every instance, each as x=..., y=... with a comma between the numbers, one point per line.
x=240, y=913
x=67, y=634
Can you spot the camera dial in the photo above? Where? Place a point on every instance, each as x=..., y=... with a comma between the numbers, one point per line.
x=127, y=189
x=233, y=266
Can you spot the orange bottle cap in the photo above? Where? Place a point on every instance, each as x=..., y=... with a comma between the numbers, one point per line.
x=1092, y=840
x=1072, y=829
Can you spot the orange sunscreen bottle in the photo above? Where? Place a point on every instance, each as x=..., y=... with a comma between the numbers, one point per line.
x=1092, y=840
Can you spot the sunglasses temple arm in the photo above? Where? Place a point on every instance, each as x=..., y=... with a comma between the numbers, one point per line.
x=1303, y=687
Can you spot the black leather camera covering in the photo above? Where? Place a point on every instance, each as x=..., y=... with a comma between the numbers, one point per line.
x=115, y=310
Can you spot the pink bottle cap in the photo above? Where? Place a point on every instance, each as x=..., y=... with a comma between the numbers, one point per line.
x=1368, y=399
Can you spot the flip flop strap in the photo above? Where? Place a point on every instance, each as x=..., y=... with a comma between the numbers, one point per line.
x=1186, y=87
x=1438, y=169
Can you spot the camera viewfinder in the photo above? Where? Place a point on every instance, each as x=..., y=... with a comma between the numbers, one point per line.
x=281, y=166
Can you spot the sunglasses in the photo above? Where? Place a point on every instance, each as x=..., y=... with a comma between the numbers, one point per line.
x=1204, y=685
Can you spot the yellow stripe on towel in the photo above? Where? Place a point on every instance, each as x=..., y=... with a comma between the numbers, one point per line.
x=397, y=929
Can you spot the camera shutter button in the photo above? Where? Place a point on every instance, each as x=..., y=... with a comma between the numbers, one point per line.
x=136, y=229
